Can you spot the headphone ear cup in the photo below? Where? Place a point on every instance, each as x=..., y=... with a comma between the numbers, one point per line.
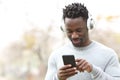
x=90, y=23
x=61, y=28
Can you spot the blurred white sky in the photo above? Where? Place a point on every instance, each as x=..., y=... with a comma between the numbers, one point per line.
x=17, y=16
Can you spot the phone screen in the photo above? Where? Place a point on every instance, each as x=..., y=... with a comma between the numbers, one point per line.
x=69, y=59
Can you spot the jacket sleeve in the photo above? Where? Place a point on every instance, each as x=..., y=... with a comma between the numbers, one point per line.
x=111, y=72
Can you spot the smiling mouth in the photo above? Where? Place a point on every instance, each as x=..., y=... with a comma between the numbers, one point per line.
x=77, y=41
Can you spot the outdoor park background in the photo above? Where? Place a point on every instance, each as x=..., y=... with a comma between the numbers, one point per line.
x=30, y=31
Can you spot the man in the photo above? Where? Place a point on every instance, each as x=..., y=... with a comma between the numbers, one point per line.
x=94, y=61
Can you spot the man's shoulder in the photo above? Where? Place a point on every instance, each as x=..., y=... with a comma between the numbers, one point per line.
x=104, y=51
x=103, y=47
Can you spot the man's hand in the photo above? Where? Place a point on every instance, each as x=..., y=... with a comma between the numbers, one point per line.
x=83, y=65
x=66, y=71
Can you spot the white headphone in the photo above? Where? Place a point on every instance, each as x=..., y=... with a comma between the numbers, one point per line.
x=90, y=22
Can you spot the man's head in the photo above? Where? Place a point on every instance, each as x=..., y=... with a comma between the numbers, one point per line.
x=75, y=17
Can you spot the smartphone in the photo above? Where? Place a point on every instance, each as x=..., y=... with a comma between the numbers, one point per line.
x=69, y=59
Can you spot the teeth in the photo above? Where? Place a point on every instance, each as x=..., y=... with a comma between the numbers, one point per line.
x=76, y=41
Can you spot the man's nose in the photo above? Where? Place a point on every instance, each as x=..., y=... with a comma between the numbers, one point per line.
x=75, y=35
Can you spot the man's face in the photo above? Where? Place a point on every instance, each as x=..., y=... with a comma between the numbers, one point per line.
x=77, y=31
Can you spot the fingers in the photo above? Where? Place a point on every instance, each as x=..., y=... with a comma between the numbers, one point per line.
x=66, y=67
x=66, y=71
x=83, y=65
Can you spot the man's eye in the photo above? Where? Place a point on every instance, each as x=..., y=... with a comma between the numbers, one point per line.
x=79, y=30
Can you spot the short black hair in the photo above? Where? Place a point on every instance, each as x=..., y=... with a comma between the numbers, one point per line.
x=75, y=10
